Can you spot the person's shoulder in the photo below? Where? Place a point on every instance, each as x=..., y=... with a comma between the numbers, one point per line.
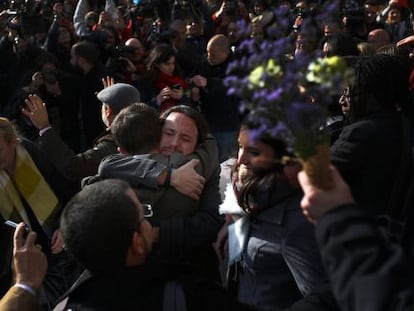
x=371, y=125
x=106, y=138
x=33, y=149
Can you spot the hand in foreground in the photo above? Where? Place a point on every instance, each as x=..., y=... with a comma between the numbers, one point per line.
x=405, y=41
x=36, y=111
x=317, y=202
x=29, y=262
x=57, y=242
x=186, y=180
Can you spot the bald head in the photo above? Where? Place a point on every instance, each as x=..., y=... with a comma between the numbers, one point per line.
x=133, y=42
x=218, y=49
x=139, y=50
x=378, y=38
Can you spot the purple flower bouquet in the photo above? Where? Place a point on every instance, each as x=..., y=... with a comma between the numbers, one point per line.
x=287, y=93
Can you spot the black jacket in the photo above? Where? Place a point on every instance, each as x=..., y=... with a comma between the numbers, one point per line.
x=79, y=165
x=143, y=288
x=368, y=155
x=366, y=271
x=220, y=109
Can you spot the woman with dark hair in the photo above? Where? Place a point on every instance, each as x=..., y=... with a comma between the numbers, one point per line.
x=161, y=86
x=373, y=151
x=273, y=256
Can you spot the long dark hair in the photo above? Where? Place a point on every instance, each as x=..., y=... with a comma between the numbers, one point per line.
x=161, y=53
x=254, y=192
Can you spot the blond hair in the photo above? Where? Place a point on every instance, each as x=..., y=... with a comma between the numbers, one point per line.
x=7, y=130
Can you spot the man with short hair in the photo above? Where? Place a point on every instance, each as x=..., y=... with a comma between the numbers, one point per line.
x=184, y=225
x=220, y=110
x=105, y=228
x=378, y=38
x=113, y=98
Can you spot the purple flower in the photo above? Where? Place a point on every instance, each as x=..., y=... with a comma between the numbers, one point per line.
x=280, y=100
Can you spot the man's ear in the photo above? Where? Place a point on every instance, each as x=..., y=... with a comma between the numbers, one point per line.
x=138, y=244
x=136, y=251
x=107, y=111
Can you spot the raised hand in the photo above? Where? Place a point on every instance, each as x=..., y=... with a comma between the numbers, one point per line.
x=108, y=81
x=36, y=111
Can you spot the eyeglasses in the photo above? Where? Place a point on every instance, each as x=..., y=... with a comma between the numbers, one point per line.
x=148, y=212
x=349, y=94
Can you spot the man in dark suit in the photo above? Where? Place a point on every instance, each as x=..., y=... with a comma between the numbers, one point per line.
x=113, y=98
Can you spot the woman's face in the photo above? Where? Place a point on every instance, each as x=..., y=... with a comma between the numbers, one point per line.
x=254, y=155
x=168, y=66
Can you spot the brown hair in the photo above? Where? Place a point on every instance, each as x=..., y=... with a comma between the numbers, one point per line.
x=7, y=130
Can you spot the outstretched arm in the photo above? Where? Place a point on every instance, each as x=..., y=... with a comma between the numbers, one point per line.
x=68, y=163
x=366, y=271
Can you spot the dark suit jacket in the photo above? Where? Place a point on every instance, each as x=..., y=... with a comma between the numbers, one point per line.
x=79, y=165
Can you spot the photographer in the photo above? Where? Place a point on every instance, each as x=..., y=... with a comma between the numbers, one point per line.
x=126, y=65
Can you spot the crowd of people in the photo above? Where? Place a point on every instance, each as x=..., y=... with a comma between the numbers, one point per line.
x=130, y=179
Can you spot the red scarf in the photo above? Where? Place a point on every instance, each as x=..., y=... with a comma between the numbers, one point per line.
x=166, y=80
